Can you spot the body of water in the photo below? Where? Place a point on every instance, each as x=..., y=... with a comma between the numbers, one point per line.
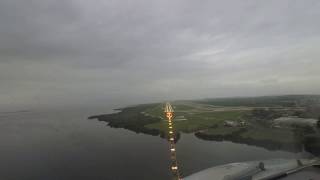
x=65, y=145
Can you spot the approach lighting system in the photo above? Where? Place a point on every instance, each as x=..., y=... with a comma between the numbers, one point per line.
x=168, y=110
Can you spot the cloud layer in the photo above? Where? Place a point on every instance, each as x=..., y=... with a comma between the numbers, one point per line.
x=77, y=52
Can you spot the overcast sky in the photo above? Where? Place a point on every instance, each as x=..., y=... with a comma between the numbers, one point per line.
x=131, y=51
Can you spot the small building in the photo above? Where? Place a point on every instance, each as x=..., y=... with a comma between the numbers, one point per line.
x=294, y=122
x=228, y=123
x=242, y=123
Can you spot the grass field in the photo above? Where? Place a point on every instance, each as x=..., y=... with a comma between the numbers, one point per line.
x=199, y=118
x=155, y=111
x=195, y=120
x=206, y=120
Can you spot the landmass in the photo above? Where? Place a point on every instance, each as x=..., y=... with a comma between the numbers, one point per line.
x=288, y=122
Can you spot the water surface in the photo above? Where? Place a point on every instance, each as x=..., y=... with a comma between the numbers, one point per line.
x=64, y=145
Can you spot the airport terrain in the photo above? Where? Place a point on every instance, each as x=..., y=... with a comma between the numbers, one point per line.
x=243, y=120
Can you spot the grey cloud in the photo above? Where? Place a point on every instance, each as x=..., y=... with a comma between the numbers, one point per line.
x=137, y=51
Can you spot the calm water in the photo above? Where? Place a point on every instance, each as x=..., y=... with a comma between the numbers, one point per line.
x=64, y=145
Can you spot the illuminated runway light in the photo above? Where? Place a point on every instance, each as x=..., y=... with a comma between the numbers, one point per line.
x=169, y=115
x=174, y=167
x=171, y=135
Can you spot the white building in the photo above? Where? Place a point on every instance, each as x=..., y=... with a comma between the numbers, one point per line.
x=294, y=122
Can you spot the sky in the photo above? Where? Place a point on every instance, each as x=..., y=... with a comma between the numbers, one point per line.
x=77, y=52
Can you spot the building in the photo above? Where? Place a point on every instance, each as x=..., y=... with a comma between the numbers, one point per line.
x=294, y=122
x=230, y=123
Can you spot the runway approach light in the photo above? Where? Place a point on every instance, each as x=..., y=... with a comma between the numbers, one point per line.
x=168, y=110
x=174, y=167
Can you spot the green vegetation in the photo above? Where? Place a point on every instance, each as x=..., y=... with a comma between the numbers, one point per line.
x=251, y=120
x=252, y=135
x=222, y=131
x=131, y=118
x=183, y=107
x=199, y=121
x=155, y=111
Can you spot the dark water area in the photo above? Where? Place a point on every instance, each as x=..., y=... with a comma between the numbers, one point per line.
x=65, y=145
x=195, y=154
